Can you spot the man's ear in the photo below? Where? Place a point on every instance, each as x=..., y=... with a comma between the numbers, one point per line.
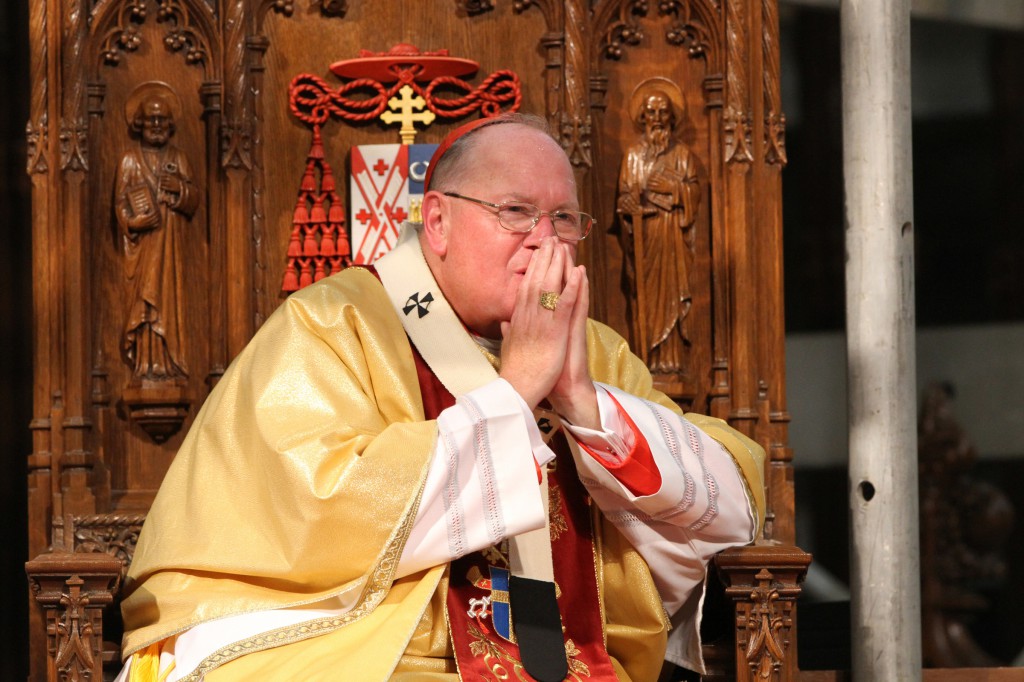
x=435, y=223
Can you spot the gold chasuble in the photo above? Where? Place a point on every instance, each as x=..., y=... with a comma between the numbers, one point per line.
x=299, y=482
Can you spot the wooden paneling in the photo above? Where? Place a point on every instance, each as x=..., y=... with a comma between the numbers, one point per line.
x=103, y=437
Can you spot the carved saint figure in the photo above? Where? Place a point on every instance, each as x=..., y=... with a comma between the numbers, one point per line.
x=659, y=195
x=154, y=200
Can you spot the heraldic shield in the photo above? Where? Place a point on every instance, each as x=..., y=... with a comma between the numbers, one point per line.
x=385, y=190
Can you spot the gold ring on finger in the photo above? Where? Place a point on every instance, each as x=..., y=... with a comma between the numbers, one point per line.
x=549, y=300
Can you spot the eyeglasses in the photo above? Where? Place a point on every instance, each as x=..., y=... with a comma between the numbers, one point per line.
x=516, y=216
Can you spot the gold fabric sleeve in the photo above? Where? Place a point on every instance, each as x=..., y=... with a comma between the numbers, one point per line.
x=317, y=431
x=612, y=362
x=636, y=625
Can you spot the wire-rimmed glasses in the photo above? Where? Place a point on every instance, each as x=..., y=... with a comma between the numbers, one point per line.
x=517, y=216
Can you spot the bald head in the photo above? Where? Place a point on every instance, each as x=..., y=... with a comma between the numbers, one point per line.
x=461, y=154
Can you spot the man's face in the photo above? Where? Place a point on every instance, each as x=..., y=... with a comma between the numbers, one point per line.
x=483, y=263
x=657, y=112
x=156, y=123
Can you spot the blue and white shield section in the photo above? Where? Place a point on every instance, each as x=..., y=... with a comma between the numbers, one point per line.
x=419, y=160
x=380, y=191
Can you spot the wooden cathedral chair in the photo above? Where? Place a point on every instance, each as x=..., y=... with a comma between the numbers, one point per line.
x=227, y=75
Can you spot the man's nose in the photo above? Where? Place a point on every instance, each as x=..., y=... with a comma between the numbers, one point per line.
x=543, y=228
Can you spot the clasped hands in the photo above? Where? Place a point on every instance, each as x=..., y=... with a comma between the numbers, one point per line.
x=543, y=351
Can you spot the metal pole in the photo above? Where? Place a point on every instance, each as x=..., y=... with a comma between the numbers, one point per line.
x=885, y=576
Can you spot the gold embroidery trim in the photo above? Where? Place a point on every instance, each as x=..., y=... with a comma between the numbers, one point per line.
x=373, y=593
x=558, y=524
x=496, y=658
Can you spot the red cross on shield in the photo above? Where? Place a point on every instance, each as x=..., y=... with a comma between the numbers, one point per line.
x=378, y=198
x=385, y=190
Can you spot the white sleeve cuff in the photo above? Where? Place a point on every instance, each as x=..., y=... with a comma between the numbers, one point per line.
x=615, y=441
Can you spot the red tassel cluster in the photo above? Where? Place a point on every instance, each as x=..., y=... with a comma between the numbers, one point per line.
x=319, y=244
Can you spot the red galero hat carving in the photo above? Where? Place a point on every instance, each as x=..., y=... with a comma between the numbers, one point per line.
x=403, y=57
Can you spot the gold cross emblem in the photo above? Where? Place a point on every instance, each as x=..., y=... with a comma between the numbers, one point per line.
x=405, y=112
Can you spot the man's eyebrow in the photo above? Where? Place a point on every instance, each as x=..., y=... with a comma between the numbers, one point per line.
x=522, y=199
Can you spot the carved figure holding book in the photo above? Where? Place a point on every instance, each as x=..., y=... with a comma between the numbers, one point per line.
x=659, y=195
x=154, y=200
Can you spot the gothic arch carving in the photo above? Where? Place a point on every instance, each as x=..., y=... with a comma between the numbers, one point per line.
x=190, y=30
x=696, y=26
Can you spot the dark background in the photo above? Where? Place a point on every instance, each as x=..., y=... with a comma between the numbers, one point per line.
x=15, y=338
x=968, y=166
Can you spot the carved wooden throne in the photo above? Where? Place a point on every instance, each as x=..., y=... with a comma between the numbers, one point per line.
x=113, y=398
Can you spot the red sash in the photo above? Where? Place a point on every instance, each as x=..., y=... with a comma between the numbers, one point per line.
x=477, y=602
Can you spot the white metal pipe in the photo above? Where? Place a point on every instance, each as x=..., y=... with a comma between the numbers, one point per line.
x=885, y=578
